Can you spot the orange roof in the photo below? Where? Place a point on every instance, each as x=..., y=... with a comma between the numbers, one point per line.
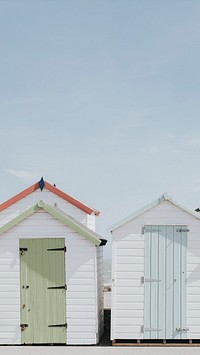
x=53, y=189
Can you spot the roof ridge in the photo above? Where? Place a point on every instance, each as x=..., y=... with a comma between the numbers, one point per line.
x=53, y=189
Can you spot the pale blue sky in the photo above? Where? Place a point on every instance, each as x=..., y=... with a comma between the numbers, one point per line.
x=102, y=98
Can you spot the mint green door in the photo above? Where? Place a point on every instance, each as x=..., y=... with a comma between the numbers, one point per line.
x=165, y=282
x=43, y=291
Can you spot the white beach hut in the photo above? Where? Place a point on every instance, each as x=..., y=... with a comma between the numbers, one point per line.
x=156, y=275
x=51, y=261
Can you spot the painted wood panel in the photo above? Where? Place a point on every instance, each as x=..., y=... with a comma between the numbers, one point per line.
x=165, y=214
x=80, y=263
x=42, y=274
x=49, y=198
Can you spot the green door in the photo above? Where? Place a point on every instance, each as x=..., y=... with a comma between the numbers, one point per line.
x=165, y=282
x=43, y=291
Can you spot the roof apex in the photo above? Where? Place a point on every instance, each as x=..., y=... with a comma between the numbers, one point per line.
x=64, y=218
x=162, y=198
x=53, y=189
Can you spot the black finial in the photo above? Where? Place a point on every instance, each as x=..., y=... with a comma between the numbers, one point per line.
x=54, y=185
x=41, y=183
x=197, y=210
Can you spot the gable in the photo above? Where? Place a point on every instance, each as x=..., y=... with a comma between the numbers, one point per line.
x=159, y=210
x=65, y=219
x=54, y=190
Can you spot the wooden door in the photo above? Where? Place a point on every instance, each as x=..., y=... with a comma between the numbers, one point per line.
x=165, y=282
x=43, y=291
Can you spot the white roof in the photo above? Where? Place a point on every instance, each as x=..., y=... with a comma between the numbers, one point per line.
x=164, y=197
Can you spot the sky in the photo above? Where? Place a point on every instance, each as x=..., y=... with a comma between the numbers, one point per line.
x=103, y=99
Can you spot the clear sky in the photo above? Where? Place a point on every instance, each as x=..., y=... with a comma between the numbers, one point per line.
x=101, y=97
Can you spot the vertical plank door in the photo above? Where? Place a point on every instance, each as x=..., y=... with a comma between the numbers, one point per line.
x=165, y=282
x=43, y=291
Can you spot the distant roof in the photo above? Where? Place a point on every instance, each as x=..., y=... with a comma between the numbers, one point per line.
x=56, y=191
x=164, y=197
x=64, y=218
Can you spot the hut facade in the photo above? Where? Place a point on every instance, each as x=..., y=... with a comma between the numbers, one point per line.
x=51, y=261
x=156, y=274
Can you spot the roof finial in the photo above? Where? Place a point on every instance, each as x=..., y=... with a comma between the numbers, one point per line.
x=41, y=183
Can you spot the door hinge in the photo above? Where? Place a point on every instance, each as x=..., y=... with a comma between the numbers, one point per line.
x=22, y=250
x=57, y=325
x=182, y=230
x=57, y=287
x=58, y=249
x=23, y=327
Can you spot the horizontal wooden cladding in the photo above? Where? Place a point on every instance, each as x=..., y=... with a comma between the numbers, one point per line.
x=9, y=315
x=83, y=322
x=78, y=274
x=129, y=290
x=8, y=300
x=127, y=244
x=193, y=306
x=129, y=298
x=128, y=283
x=192, y=298
x=128, y=267
x=127, y=329
x=194, y=259
x=77, y=309
x=131, y=260
x=9, y=288
x=128, y=313
x=80, y=282
x=9, y=267
x=9, y=261
x=193, y=317
x=129, y=252
x=192, y=270
x=80, y=301
x=9, y=281
x=9, y=307
x=127, y=234
x=137, y=272
x=81, y=328
x=8, y=329
x=194, y=329
x=80, y=288
x=9, y=274
x=128, y=321
x=10, y=321
x=11, y=294
x=14, y=340
x=81, y=295
x=193, y=290
x=82, y=336
x=73, y=339
x=129, y=306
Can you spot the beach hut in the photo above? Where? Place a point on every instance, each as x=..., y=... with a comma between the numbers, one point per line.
x=51, y=261
x=156, y=275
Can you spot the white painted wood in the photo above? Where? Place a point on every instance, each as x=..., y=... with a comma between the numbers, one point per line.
x=83, y=320
x=128, y=268
x=51, y=199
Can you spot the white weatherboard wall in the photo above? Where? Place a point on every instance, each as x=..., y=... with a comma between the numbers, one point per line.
x=51, y=199
x=82, y=267
x=128, y=267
